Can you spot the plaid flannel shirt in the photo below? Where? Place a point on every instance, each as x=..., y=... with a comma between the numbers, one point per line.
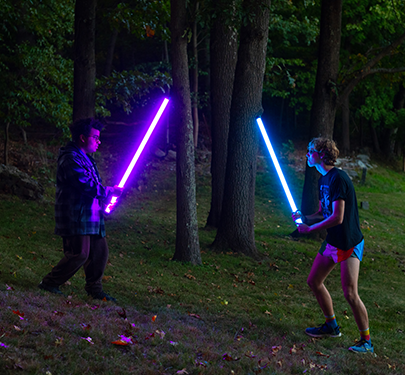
x=79, y=194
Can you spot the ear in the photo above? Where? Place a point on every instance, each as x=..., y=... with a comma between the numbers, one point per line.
x=82, y=138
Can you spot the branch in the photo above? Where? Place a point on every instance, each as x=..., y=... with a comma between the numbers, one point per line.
x=367, y=68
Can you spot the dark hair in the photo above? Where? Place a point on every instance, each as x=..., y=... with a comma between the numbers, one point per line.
x=84, y=126
x=327, y=147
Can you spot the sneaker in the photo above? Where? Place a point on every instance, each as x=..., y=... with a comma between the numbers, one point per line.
x=324, y=330
x=363, y=346
x=51, y=289
x=103, y=296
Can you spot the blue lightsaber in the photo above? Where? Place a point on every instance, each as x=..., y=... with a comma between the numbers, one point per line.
x=278, y=169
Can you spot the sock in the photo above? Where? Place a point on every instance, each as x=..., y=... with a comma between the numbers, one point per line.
x=365, y=334
x=331, y=321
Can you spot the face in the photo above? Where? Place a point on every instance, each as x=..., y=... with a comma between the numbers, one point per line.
x=313, y=157
x=91, y=142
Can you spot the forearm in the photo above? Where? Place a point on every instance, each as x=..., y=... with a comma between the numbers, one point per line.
x=314, y=218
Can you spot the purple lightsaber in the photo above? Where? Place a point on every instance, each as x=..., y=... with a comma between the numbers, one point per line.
x=137, y=154
x=278, y=168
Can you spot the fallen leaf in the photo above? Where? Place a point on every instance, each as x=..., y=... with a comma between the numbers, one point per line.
x=59, y=341
x=58, y=313
x=88, y=339
x=9, y=287
x=228, y=358
x=376, y=304
x=154, y=318
x=20, y=314
x=122, y=314
x=323, y=355
x=85, y=326
x=268, y=312
x=182, y=371
x=194, y=315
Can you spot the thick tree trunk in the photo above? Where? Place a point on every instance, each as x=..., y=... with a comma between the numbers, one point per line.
x=388, y=144
x=110, y=53
x=6, y=142
x=325, y=95
x=345, y=149
x=223, y=51
x=195, y=81
x=84, y=60
x=374, y=136
x=187, y=242
x=236, y=228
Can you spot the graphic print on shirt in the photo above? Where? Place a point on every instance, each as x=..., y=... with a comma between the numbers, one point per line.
x=325, y=201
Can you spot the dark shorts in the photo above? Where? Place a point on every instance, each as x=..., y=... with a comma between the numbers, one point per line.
x=338, y=255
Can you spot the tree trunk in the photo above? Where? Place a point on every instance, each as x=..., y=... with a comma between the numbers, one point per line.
x=325, y=95
x=236, y=228
x=388, y=145
x=195, y=79
x=6, y=142
x=345, y=127
x=374, y=137
x=223, y=51
x=84, y=60
x=110, y=53
x=187, y=242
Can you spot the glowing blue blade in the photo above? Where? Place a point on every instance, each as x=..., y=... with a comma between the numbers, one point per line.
x=278, y=169
x=138, y=153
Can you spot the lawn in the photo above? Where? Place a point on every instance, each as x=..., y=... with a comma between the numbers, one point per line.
x=232, y=315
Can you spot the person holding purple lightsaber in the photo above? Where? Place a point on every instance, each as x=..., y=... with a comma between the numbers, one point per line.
x=344, y=244
x=79, y=205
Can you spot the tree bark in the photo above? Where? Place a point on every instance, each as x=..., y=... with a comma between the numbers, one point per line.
x=325, y=94
x=110, y=53
x=346, y=126
x=195, y=79
x=187, y=242
x=236, y=229
x=388, y=144
x=6, y=142
x=223, y=51
x=84, y=60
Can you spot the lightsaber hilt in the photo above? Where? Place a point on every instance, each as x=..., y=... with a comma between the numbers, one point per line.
x=278, y=168
x=138, y=152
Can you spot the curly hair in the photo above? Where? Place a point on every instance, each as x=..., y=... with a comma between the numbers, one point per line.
x=327, y=147
x=84, y=126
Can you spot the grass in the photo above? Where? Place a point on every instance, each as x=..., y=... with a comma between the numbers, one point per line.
x=232, y=315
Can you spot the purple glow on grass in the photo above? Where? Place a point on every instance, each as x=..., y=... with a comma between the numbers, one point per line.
x=3, y=345
x=278, y=169
x=138, y=153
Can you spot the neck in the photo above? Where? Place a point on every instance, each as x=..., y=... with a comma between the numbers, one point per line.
x=323, y=169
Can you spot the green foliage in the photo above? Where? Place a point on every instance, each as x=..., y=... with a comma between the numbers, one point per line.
x=36, y=75
x=143, y=18
x=129, y=89
x=290, y=64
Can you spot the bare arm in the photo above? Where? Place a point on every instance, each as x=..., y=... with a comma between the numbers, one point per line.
x=338, y=209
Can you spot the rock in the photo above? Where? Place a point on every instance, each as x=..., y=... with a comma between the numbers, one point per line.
x=13, y=181
x=365, y=205
x=171, y=155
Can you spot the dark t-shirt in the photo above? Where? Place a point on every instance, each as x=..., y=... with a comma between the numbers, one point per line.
x=335, y=185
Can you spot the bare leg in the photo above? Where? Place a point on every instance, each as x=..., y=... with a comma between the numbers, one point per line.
x=321, y=268
x=349, y=273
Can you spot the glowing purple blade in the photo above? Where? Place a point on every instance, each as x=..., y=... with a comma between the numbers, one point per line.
x=138, y=153
x=278, y=169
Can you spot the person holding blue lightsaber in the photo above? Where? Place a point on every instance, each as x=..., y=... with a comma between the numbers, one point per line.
x=79, y=206
x=344, y=244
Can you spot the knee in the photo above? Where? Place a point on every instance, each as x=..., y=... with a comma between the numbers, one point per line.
x=313, y=284
x=351, y=296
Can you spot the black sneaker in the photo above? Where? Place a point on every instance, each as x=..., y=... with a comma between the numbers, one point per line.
x=51, y=289
x=324, y=330
x=103, y=296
